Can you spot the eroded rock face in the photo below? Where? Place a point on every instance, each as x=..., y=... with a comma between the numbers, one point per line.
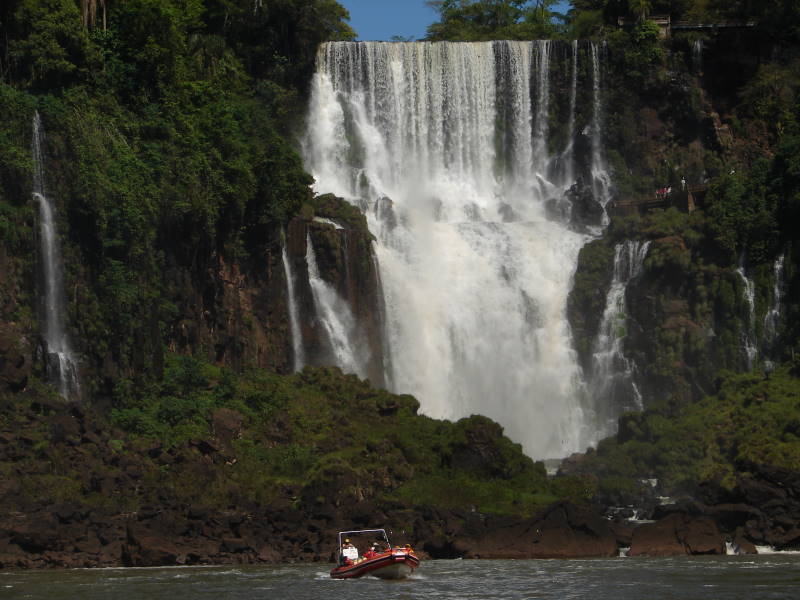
x=17, y=345
x=567, y=531
x=233, y=313
x=562, y=531
x=586, y=212
x=676, y=535
x=15, y=359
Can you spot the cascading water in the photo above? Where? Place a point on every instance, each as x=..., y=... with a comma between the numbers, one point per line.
x=444, y=146
x=335, y=316
x=748, y=331
x=773, y=316
x=601, y=178
x=298, y=357
x=611, y=383
x=697, y=56
x=62, y=365
x=569, y=154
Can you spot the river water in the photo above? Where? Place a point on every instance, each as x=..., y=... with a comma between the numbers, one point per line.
x=707, y=578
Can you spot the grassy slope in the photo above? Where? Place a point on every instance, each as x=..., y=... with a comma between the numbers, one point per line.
x=315, y=438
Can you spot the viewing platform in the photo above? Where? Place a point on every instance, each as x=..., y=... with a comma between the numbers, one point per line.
x=666, y=26
x=685, y=200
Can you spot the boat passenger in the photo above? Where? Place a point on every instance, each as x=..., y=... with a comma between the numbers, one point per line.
x=349, y=551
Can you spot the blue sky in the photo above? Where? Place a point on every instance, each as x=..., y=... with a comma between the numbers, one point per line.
x=382, y=19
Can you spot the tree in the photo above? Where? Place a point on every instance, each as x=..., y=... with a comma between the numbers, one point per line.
x=640, y=7
x=475, y=20
x=278, y=39
x=89, y=12
x=47, y=45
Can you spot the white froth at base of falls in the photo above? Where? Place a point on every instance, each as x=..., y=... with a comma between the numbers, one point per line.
x=477, y=325
x=443, y=145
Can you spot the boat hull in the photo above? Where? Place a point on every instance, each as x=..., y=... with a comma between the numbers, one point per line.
x=395, y=564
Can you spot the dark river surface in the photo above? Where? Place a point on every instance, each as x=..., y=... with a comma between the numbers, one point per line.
x=746, y=577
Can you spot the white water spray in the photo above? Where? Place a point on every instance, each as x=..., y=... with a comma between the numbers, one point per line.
x=444, y=147
x=62, y=365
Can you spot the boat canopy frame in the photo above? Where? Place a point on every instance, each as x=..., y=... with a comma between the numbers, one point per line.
x=345, y=533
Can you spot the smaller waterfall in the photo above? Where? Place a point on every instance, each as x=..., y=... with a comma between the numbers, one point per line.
x=749, y=332
x=335, y=316
x=62, y=365
x=601, y=179
x=773, y=316
x=611, y=384
x=697, y=56
x=541, y=121
x=298, y=359
x=569, y=154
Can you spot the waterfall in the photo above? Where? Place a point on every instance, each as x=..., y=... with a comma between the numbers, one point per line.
x=611, y=384
x=569, y=153
x=298, y=358
x=542, y=124
x=748, y=332
x=443, y=145
x=601, y=179
x=61, y=364
x=697, y=56
x=773, y=316
x=336, y=318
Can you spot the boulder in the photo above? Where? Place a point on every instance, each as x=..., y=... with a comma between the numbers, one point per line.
x=701, y=536
x=677, y=534
x=146, y=548
x=586, y=210
x=743, y=546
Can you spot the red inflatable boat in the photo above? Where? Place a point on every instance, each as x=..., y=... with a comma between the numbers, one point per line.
x=381, y=560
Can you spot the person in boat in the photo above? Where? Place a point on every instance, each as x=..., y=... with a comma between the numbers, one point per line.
x=372, y=552
x=349, y=553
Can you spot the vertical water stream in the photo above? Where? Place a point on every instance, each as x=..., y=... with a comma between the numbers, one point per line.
x=611, y=382
x=336, y=318
x=298, y=357
x=749, y=342
x=62, y=365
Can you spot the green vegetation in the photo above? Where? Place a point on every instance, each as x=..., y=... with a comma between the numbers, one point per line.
x=167, y=126
x=207, y=437
x=481, y=20
x=752, y=419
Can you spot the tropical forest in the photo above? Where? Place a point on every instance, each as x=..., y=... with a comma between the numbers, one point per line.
x=527, y=287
